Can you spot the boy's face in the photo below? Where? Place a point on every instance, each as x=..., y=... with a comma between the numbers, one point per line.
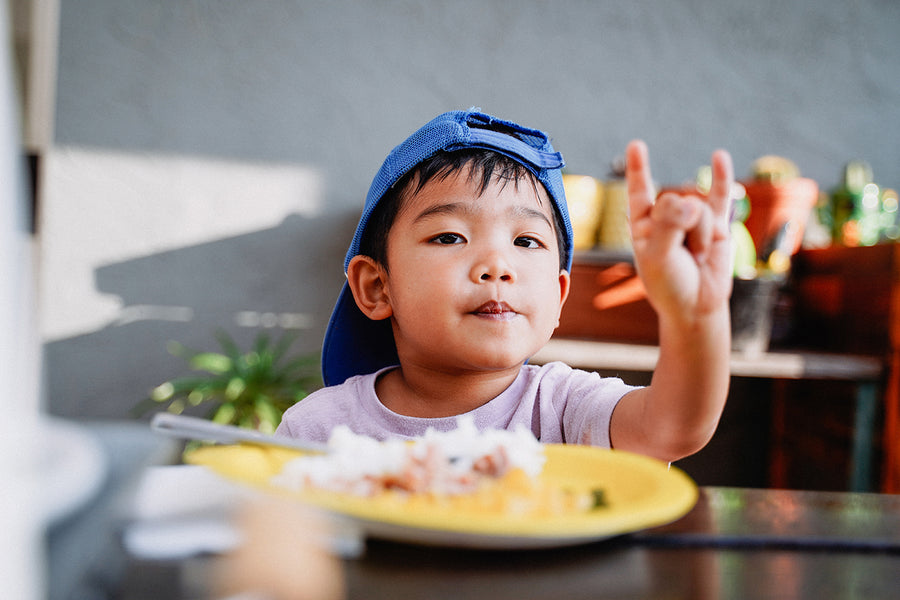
x=473, y=280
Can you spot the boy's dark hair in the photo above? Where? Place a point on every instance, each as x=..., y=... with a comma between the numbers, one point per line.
x=483, y=163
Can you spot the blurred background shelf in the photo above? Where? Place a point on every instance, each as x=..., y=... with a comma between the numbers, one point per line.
x=865, y=373
x=818, y=410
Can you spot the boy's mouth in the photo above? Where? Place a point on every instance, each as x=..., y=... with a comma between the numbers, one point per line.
x=495, y=309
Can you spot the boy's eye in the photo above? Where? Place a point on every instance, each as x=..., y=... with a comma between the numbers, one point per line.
x=527, y=242
x=448, y=238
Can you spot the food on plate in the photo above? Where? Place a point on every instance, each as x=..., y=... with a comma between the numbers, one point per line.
x=462, y=469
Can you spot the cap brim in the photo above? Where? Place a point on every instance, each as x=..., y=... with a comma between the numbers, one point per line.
x=355, y=344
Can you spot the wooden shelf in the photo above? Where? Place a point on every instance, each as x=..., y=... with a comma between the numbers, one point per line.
x=596, y=355
x=866, y=372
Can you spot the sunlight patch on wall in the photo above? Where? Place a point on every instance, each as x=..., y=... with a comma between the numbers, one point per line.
x=100, y=208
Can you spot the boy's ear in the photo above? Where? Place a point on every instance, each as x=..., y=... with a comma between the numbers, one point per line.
x=565, y=282
x=367, y=280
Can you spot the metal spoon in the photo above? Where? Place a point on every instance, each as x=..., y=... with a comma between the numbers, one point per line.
x=194, y=428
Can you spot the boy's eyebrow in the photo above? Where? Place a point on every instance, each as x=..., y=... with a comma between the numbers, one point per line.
x=531, y=213
x=451, y=208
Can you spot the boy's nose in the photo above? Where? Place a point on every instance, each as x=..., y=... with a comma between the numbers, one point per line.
x=494, y=267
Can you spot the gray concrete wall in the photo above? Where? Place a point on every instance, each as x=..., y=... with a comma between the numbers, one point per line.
x=211, y=156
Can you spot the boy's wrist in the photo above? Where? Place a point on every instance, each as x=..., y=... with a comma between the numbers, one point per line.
x=712, y=327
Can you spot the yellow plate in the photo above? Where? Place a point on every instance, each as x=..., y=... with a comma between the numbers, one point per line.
x=640, y=492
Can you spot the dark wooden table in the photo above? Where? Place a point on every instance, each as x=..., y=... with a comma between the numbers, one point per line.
x=736, y=543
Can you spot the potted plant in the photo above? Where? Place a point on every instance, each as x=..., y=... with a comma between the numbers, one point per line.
x=249, y=389
x=768, y=217
x=758, y=279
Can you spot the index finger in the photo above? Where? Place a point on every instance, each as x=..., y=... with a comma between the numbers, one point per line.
x=641, y=192
x=722, y=182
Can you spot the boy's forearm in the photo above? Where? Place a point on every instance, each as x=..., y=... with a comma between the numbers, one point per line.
x=690, y=382
x=677, y=414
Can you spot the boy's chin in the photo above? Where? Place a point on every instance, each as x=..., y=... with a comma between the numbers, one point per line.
x=496, y=363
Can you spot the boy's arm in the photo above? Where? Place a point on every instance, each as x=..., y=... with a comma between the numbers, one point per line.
x=682, y=251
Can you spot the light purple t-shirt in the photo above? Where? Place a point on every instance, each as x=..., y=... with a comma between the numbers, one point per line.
x=557, y=403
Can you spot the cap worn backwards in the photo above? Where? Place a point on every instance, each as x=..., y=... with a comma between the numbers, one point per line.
x=355, y=344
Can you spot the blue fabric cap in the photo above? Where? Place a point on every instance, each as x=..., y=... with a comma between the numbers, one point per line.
x=355, y=344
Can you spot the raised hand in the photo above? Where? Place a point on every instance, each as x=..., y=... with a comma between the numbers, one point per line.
x=681, y=242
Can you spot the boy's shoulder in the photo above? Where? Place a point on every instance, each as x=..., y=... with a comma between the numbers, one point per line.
x=564, y=381
x=556, y=371
x=314, y=417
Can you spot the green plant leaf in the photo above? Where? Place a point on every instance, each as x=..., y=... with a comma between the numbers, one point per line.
x=249, y=389
x=261, y=345
x=224, y=415
x=212, y=362
x=179, y=350
x=196, y=397
x=282, y=346
x=185, y=385
x=163, y=392
x=269, y=417
x=227, y=343
x=235, y=388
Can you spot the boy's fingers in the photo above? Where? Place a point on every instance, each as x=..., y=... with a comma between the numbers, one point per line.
x=683, y=220
x=671, y=218
x=722, y=181
x=676, y=219
x=638, y=179
x=677, y=213
x=700, y=237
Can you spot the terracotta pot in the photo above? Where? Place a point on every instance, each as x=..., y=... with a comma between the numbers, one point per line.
x=774, y=206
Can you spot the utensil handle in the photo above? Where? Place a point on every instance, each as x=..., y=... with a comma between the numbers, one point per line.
x=195, y=428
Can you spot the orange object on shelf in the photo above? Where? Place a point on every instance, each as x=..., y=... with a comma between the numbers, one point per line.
x=776, y=206
x=608, y=302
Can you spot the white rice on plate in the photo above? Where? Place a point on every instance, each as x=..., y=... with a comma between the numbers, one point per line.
x=440, y=462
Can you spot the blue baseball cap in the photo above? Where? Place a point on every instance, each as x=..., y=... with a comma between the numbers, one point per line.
x=357, y=345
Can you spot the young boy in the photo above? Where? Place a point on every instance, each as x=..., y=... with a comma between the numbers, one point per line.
x=458, y=272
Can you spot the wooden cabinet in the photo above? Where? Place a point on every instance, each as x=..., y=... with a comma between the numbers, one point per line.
x=848, y=300
x=607, y=302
